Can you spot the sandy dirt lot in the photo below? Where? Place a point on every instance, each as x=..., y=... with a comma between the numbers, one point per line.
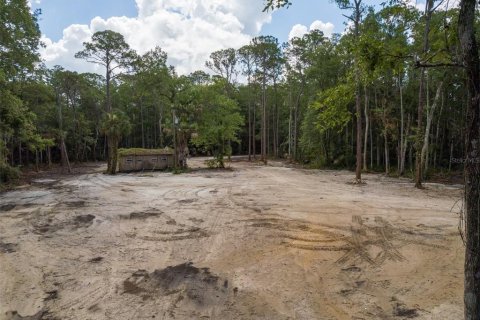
x=253, y=242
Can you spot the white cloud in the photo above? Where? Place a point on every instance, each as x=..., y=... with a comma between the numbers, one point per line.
x=326, y=28
x=299, y=30
x=62, y=52
x=188, y=30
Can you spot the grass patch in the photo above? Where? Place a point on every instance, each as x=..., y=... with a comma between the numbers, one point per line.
x=145, y=152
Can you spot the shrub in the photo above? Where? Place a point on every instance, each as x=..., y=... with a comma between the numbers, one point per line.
x=8, y=174
x=215, y=163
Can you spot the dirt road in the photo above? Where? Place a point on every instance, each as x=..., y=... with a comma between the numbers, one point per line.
x=251, y=243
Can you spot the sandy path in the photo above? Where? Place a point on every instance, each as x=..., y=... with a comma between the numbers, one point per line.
x=252, y=243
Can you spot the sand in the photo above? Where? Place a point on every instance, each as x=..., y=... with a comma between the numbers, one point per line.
x=252, y=242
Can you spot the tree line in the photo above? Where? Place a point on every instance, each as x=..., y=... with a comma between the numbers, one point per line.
x=386, y=95
x=397, y=92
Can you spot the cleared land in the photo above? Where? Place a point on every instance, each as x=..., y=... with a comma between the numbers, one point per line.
x=253, y=242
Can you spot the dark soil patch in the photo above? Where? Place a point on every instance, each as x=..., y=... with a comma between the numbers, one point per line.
x=8, y=247
x=75, y=204
x=199, y=285
x=51, y=295
x=171, y=222
x=96, y=260
x=346, y=292
x=352, y=269
x=143, y=214
x=47, y=228
x=400, y=310
x=7, y=207
x=84, y=221
x=195, y=220
x=187, y=201
x=133, y=284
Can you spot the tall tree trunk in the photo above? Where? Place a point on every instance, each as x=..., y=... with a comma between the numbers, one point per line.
x=112, y=151
x=254, y=132
x=49, y=156
x=385, y=138
x=295, y=120
x=371, y=144
x=358, y=104
x=63, y=148
x=160, y=127
x=387, y=156
x=404, y=147
x=277, y=141
x=466, y=31
x=264, y=119
x=142, y=123
x=108, y=140
x=451, y=155
x=367, y=123
x=275, y=122
x=426, y=137
x=36, y=160
x=421, y=97
x=64, y=156
x=402, y=132
x=358, y=111
x=249, y=131
x=437, y=133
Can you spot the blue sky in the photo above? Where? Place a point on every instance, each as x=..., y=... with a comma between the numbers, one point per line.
x=59, y=14
x=188, y=30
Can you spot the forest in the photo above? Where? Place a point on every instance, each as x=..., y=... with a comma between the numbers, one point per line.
x=346, y=179
x=387, y=95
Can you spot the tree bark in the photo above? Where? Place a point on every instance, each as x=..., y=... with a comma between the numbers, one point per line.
x=142, y=123
x=385, y=138
x=49, y=157
x=402, y=132
x=64, y=156
x=426, y=137
x=421, y=98
x=112, y=155
x=264, y=118
x=437, y=133
x=249, y=131
x=367, y=123
x=404, y=148
x=358, y=104
x=254, y=132
x=371, y=144
x=466, y=31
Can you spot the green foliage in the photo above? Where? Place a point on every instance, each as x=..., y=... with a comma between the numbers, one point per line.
x=216, y=163
x=19, y=38
x=19, y=42
x=116, y=124
x=8, y=174
x=331, y=106
x=218, y=121
x=107, y=47
x=223, y=63
x=301, y=92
